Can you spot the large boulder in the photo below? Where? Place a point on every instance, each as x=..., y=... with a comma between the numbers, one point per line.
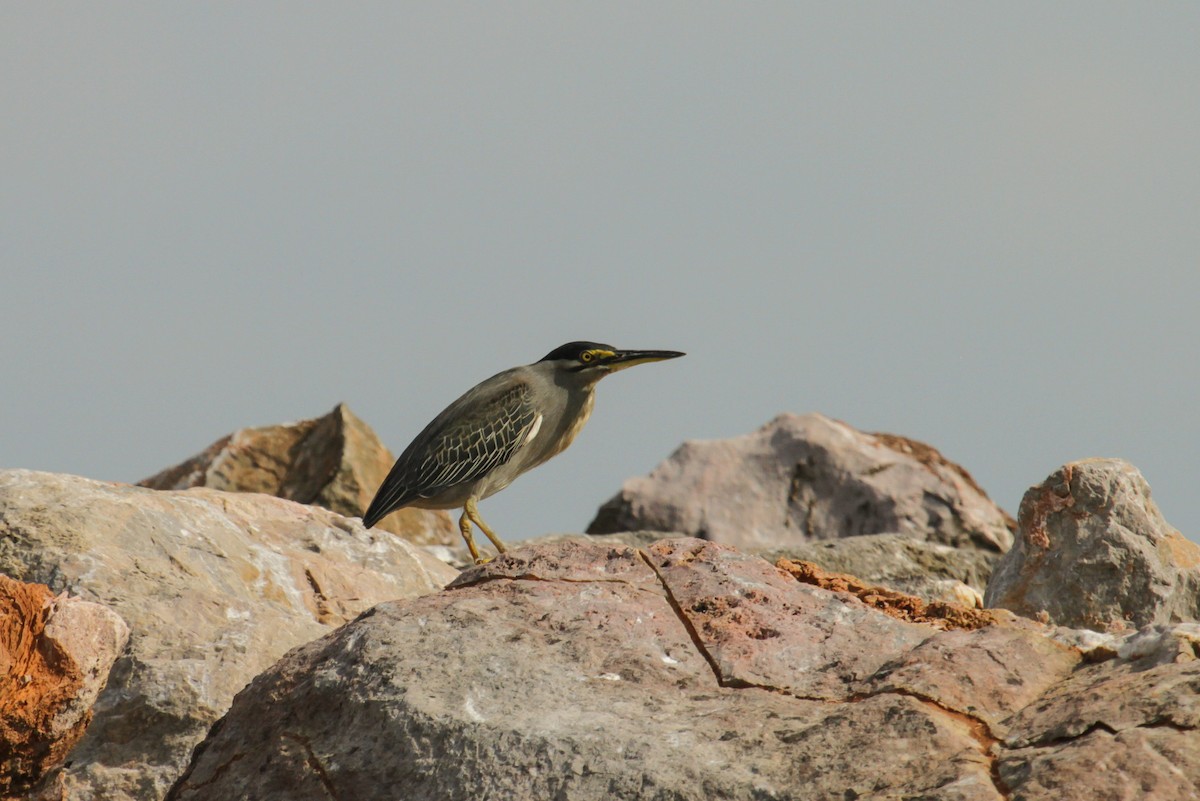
x=335, y=461
x=687, y=670
x=55, y=656
x=803, y=478
x=215, y=587
x=1093, y=551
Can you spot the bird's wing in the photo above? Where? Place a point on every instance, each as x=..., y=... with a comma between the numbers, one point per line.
x=472, y=437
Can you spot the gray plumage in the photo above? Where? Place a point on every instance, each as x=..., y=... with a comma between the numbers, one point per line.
x=499, y=429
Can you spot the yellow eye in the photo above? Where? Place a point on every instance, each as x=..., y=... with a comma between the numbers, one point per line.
x=587, y=356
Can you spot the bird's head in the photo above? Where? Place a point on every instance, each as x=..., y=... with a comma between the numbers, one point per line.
x=593, y=360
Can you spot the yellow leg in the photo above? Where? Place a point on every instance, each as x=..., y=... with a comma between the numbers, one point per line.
x=464, y=525
x=472, y=511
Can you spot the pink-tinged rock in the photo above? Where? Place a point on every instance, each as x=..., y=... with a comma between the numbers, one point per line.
x=989, y=674
x=335, y=461
x=568, y=560
x=760, y=627
x=577, y=671
x=802, y=478
x=561, y=671
x=1126, y=728
x=1145, y=764
x=55, y=657
x=1116, y=695
x=1093, y=551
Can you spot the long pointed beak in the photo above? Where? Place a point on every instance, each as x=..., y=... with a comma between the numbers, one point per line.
x=629, y=358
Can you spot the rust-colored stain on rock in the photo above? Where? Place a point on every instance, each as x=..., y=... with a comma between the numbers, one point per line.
x=941, y=614
x=37, y=682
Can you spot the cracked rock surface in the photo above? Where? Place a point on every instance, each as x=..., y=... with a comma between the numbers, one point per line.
x=687, y=670
x=214, y=586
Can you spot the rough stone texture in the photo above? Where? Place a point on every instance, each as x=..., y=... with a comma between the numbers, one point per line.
x=737, y=604
x=215, y=587
x=681, y=671
x=802, y=478
x=55, y=655
x=1122, y=729
x=335, y=461
x=928, y=570
x=941, y=614
x=1158, y=764
x=1093, y=551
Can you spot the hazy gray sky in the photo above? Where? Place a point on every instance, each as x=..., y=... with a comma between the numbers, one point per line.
x=973, y=224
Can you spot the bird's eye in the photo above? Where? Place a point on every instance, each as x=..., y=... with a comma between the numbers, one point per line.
x=586, y=356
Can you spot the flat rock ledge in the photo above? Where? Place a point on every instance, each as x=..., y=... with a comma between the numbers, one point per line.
x=689, y=670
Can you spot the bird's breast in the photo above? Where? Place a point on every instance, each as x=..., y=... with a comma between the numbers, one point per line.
x=555, y=436
x=573, y=427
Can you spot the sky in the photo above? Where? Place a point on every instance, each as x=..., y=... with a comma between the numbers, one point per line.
x=976, y=225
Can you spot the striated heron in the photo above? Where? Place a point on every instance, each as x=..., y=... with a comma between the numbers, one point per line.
x=499, y=429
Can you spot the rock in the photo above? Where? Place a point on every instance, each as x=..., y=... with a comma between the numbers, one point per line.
x=55, y=655
x=686, y=670
x=803, y=478
x=942, y=614
x=1125, y=728
x=1162, y=645
x=335, y=461
x=929, y=570
x=1093, y=551
x=1144, y=763
x=760, y=627
x=215, y=587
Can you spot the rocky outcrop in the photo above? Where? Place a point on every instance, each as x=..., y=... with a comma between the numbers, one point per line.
x=803, y=478
x=55, y=655
x=1093, y=551
x=687, y=670
x=335, y=461
x=215, y=587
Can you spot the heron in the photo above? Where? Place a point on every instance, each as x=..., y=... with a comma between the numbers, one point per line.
x=499, y=429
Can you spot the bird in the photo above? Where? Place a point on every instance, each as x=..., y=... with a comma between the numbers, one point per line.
x=498, y=430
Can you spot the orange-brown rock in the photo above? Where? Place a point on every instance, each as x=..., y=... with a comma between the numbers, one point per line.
x=335, y=461
x=55, y=655
x=899, y=605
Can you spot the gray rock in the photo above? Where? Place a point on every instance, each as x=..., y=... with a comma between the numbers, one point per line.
x=928, y=570
x=335, y=461
x=215, y=587
x=803, y=478
x=55, y=657
x=1093, y=551
x=686, y=670
x=1124, y=728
